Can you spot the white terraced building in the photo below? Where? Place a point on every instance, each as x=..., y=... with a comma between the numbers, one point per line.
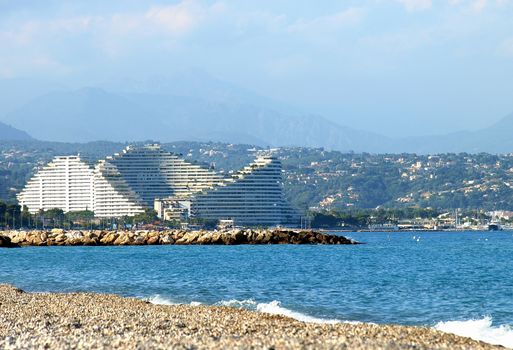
x=112, y=195
x=252, y=196
x=128, y=182
x=65, y=183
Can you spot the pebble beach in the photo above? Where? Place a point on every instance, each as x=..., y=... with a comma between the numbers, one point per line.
x=102, y=321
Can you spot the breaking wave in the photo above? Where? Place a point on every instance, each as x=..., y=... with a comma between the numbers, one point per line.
x=159, y=300
x=482, y=330
x=273, y=307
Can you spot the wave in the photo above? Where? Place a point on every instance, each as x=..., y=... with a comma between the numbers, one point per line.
x=482, y=330
x=159, y=300
x=273, y=307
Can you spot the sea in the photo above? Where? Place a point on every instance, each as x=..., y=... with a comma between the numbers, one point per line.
x=457, y=282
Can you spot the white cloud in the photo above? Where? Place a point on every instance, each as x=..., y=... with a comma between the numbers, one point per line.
x=285, y=42
x=332, y=22
x=478, y=6
x=175, y=19
x=416, y=5
x=172, y=20
x=111, y=33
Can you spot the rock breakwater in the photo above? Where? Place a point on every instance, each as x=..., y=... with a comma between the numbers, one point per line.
x=60, y=237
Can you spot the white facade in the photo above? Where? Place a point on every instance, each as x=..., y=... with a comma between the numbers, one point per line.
x=65, y=183
x=112, y=195
x=252, y=196
x=128, y=182
x=173, y=209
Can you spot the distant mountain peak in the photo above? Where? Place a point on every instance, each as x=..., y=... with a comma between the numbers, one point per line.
x=8, y=133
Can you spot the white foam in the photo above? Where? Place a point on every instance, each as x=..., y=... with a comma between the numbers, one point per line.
x=246, y=304
x=275, y=308
x=479, y=330
x=158, y=300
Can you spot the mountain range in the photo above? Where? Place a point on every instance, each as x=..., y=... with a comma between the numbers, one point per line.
x=196, y=107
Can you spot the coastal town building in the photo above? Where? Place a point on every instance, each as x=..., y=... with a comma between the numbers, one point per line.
x=251, y=196
x=138, y=178
x=65, y=183
x=130, y=181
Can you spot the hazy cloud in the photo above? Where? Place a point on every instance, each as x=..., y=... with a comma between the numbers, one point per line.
x=416, y=5
x=506, y=47
x=330, y=23
x=331, y=57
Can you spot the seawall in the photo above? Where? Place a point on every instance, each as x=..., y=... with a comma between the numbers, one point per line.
x=60, y=237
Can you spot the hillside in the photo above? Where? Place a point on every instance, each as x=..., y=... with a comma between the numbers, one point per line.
x=316, y=177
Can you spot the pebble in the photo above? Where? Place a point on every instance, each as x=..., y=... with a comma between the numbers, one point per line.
x=102, y=321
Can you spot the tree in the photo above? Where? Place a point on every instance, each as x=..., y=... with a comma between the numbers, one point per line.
x=3, y=208
x=146, y=217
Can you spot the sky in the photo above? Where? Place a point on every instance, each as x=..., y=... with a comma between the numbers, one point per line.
x=397, y=67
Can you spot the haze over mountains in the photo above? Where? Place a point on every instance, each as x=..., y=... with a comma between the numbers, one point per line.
x=199, y=108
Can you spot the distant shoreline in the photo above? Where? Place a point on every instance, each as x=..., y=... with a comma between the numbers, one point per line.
x=59, y=321
x=406, y=231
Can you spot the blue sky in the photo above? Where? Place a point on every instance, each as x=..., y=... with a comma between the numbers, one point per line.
x=391, y=66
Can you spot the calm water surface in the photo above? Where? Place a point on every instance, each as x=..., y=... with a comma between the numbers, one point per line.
x=405, y=278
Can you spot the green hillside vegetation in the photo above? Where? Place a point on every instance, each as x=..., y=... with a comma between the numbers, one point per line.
x=316, y=178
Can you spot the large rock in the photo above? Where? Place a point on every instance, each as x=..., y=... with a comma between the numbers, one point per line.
x=139, y=240
x=123, y=239
x=152, y=240
x=167, y=239
x=239, y=237
x=57, y=231
x=205, y=238
x=19, y=237
x=109, y=238
x=189, y=238
x=5, y=242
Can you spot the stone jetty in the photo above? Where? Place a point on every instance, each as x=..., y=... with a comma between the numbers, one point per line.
x=60, y=237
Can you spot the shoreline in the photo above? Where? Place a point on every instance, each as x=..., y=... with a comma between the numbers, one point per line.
x=410, y=230
x=89, y=320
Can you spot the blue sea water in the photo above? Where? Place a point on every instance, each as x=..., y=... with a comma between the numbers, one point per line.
x=453, y=281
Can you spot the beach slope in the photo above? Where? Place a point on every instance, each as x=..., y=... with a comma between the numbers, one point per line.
x=87, y=320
